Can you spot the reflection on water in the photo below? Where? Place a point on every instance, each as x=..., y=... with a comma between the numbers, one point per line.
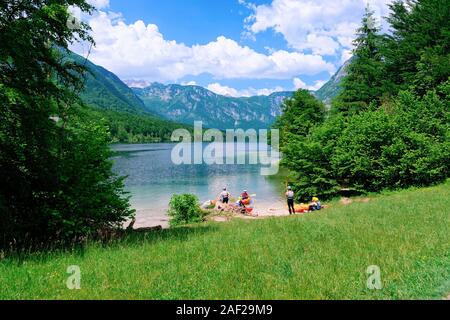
x=153, y=178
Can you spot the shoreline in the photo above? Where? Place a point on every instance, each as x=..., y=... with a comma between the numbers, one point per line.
x=147, y=219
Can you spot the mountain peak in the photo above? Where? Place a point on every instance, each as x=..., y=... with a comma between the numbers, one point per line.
x=332, y=88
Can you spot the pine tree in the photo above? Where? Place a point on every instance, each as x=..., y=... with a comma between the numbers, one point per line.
x=417, y=50
x=364, y=79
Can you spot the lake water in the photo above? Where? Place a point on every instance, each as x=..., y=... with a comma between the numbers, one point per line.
x=153, y=178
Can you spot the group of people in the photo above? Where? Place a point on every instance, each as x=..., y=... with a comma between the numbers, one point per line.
x=245, y=199
x=315, y=204
x=225, y=197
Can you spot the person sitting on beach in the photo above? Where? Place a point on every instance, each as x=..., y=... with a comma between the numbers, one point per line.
x=225, y=196
x=244, y=199
x=315, y=204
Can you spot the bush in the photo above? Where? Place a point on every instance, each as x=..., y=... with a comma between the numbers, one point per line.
x=404, y=143
x=184, y=209
x=403, y=147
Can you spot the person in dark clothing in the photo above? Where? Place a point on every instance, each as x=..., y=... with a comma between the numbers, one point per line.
x=290, y=200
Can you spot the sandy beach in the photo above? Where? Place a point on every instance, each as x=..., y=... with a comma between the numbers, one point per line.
x=145, y=218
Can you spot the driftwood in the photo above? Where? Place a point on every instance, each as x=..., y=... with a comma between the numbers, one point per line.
x=150, y=229
x=107, y=234
x=131, y=228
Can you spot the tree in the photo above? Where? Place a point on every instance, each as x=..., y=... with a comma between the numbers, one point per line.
x=369, y=143
x=56, y=177
x=308, y=159
x=364, y=80
x=300, y=113
x=417, y=49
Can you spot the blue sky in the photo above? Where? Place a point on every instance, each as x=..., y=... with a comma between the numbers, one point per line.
x=234, y=47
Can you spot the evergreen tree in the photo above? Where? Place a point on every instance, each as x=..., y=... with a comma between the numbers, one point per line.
x=418, y=48
x=397, y=142
x=364, y=79
x=57, y=181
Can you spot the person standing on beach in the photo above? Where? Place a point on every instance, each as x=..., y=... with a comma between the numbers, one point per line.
x=225, y=196
x=290, y=200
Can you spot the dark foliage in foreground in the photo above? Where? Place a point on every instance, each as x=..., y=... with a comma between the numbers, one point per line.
x=57, y=182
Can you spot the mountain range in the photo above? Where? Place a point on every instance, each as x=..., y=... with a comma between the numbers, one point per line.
x=186, y=104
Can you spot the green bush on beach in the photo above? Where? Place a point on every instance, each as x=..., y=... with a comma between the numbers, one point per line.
x=184, y=209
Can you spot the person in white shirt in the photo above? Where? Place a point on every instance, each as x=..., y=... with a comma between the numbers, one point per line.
x=225, y=196
x=290, y=200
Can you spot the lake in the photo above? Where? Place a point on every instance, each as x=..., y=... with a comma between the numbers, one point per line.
x=153, y=178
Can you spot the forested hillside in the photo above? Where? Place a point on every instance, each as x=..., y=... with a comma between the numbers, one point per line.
x=333, y=87
x=112, y=101
x=104, y=90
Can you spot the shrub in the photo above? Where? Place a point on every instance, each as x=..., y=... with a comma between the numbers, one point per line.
x=184, y=209
x=407, y=146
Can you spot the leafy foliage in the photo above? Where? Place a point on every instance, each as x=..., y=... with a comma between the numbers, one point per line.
x=417, y=52
x=57, y=182
x=309, y=160
x=300, y=114
x=389, y=126
x=383, y=149
x=184, y=209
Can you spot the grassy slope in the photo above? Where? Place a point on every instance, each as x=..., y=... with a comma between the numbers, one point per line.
x=317, y=256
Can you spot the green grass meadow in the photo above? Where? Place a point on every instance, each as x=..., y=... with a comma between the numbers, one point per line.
x=321, y=255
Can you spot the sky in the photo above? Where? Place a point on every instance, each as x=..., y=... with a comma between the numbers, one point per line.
x=232, y=47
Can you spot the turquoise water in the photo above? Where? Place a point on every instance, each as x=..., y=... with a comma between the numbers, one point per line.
x=153, y=178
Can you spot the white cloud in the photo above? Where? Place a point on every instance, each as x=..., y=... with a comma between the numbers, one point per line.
x=249, y=92
x=139, y=51
x=222, y=90
x=323, y=45
x=320, y=26
x=137, y=83
x=189, y=83
x=99, y=4
x=299, y=84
